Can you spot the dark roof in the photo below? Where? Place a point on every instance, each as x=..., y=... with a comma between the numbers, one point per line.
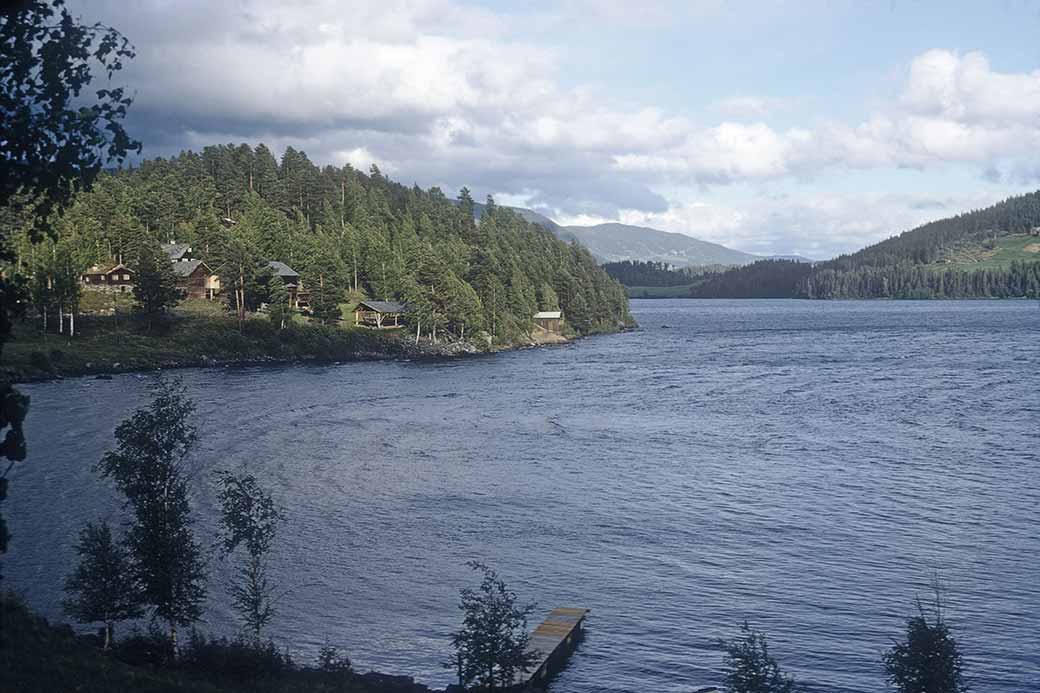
x=176, y=250
x=384, y=306
x=283, y=270
x=108, y=269
x=184, y=269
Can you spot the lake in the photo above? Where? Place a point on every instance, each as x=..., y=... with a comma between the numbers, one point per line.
x=807, y=466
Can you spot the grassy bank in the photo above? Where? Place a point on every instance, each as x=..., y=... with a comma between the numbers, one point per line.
x=37, y=657
x=201, y=333
x=195, y=336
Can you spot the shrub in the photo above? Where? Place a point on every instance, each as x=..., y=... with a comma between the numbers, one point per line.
x=237, y=659
x=750, y=668
x=154, y=649
x=929, y=659
x=332, y=661
x=40, y=361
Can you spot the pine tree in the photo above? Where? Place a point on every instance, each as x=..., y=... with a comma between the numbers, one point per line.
x=155, y=286
x=929, y=659
x=750, y=668
x=278, y=307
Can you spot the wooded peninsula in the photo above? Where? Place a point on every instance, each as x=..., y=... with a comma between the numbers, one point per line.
x=275, y=259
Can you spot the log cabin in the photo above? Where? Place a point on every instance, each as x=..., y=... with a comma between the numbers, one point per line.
x=196, y=279
x=379, y=314
x=116, y=278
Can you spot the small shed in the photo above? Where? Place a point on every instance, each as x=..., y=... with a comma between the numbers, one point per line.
x=118, y=278
x=379, y=314
x=297, y=294
x=549, y=320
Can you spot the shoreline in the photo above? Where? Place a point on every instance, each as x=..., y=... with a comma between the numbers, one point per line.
x=32, y=364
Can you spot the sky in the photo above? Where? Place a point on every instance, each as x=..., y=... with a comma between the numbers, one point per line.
x=805, y=126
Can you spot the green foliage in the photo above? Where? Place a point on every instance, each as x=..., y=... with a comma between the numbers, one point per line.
x=151, y=468
x=236, y=660
x=929, y=659
x=341, y=230
x=749, y=668
x=490, y=648
x=102, y=588
x=53, y=144
x=332, y=660
x=762, y=279
x=249, y=519
x=324, y=301
x=278, y=307
x=638, y=273
x=155, y=287
x=547, y=298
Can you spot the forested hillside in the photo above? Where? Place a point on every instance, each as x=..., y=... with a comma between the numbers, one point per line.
x=638, y=273
x=933, y=241
x=988, y=253
x=343, y=231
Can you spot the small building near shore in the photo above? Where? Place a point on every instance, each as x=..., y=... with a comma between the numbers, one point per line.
x=116, y=278
x=549, y=320
x=298, y=296
x=379, y=314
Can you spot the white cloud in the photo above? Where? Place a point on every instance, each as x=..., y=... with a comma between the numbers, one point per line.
x=750, y=106
x=444, y=94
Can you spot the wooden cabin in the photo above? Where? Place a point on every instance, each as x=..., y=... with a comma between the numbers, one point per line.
x=196, y=279
x=549, y=320
x=298, y=296
x=118, y=278
x=379, y=314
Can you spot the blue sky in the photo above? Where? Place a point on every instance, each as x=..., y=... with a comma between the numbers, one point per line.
x=772, y=127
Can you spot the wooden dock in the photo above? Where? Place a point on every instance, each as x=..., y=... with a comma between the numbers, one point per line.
x=553, y=641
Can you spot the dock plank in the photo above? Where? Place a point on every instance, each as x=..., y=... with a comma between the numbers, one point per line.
x=552, y=641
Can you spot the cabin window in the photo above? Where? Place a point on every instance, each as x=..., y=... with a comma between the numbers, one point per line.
x=126, y=277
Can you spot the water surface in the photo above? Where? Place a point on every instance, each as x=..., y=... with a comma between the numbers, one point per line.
x=804, y=465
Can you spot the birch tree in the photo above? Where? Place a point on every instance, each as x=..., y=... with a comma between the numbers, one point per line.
x=152, y=467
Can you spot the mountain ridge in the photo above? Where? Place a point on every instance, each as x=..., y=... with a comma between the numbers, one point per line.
x=615, y=242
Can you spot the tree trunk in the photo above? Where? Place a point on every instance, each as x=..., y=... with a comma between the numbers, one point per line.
x=72, y=324
x=61, y=320
x=108, y=636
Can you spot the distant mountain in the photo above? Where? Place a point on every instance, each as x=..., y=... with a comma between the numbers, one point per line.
x=616, y=242
x=613, y=242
